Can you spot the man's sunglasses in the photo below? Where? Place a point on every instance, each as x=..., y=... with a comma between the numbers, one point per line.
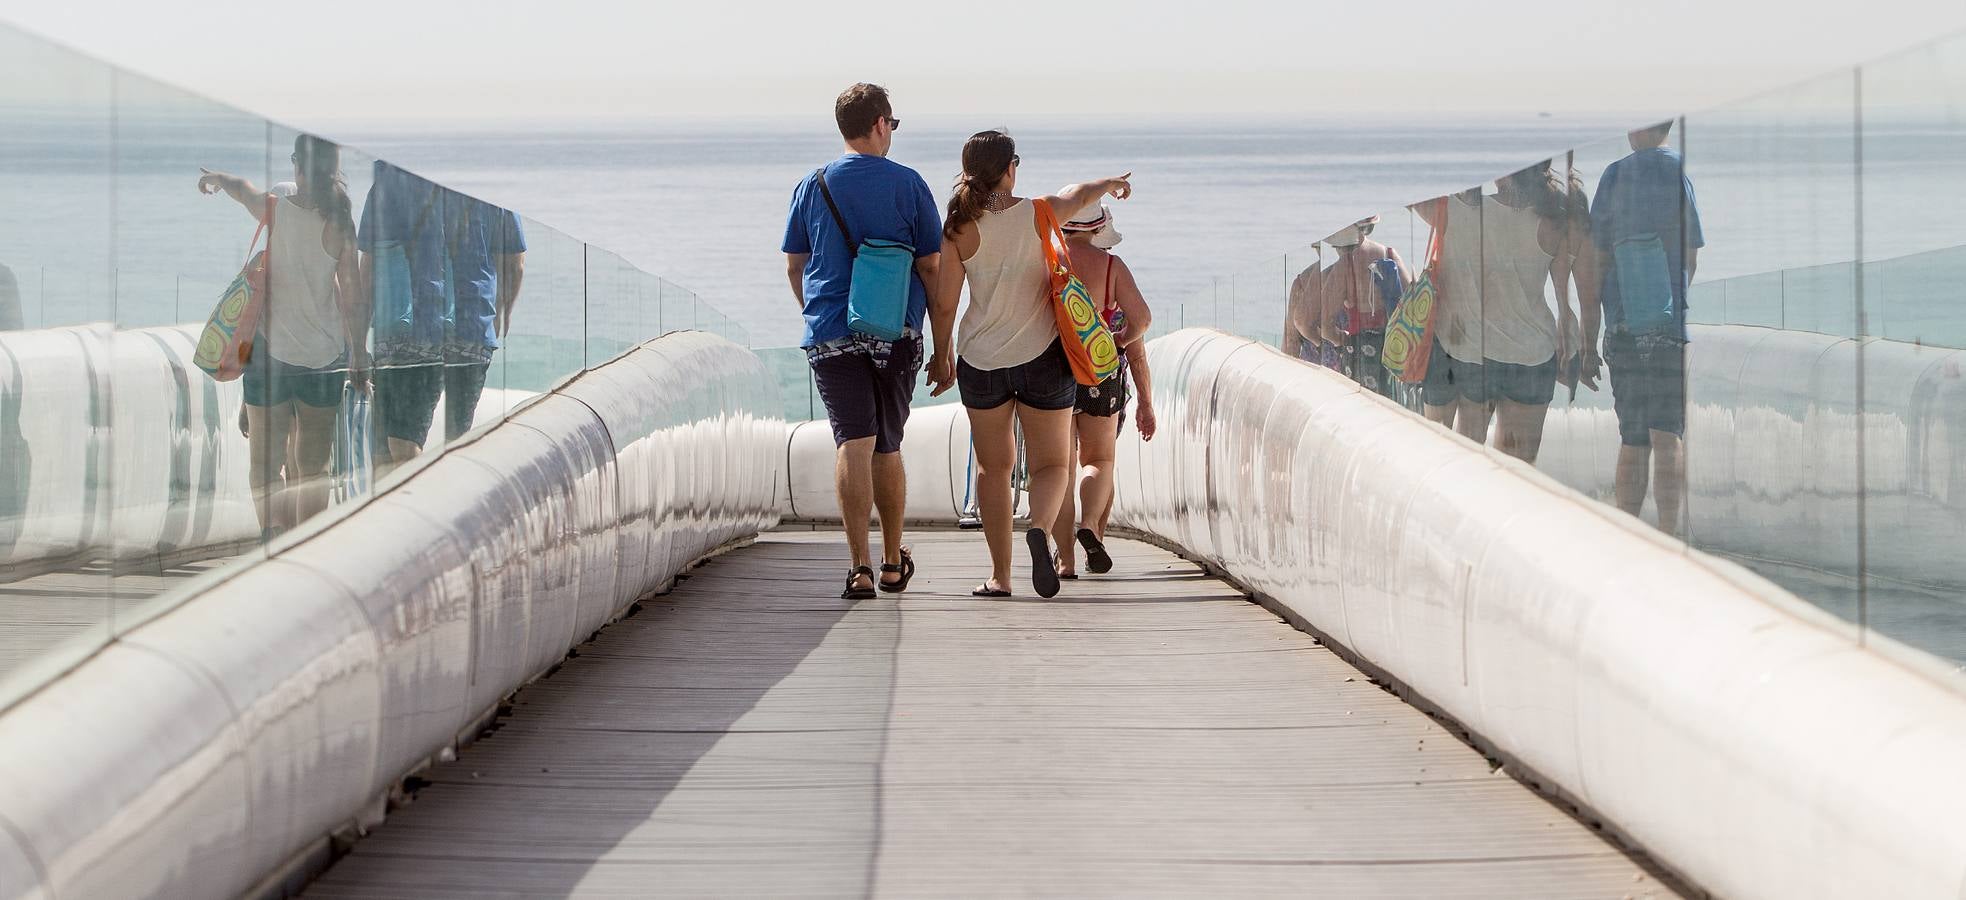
x=893, y=123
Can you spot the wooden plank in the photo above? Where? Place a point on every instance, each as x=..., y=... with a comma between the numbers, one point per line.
x=1146, y=733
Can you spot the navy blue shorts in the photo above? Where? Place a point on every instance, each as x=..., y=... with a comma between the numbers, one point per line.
x=1043, y=383
x=1648, y=385
x=867, y=394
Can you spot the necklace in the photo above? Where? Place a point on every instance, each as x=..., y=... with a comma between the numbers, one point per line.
x=998, y=201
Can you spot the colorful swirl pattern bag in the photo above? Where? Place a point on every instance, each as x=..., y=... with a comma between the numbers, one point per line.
x=226, y=345
x=1409, y=341
x=1088, y=344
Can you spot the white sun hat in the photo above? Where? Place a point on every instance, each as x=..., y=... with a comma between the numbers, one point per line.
x=1099, y=221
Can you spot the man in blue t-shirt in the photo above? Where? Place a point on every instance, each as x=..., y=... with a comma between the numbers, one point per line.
x=865, y=383
x=1647, y=231
x=487, y=264
x=402, y=242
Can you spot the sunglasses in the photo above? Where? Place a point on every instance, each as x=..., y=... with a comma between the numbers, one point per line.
x=1014, y=160
x=893, y=123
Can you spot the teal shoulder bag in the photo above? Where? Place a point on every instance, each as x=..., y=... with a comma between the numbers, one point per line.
x=877, y=298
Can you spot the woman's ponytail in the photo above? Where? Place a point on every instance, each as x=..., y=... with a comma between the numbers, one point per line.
x=986, y=160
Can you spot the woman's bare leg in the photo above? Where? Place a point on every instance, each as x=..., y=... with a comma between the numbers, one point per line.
x=1067, y=516
x=995, y=439
x=269, y=429
x=314, y=448
x=1098, y=451
x=1048, y=456
x=1519, y=428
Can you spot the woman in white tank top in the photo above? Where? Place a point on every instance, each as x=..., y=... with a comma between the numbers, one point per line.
x=312, y=332
x=1011, y=367
x=1500, y=346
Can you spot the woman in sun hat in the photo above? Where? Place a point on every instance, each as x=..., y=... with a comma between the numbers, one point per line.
x=1101, y=409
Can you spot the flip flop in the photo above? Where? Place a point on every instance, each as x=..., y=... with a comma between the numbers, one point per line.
x=987, y=591
x=1044, y=571
x=1068, y=576
x=858, y=593
x=906, y=569
x=1097, y=560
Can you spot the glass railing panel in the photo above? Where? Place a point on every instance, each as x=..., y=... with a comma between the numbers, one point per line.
x=678, y=308
x=546, y=340
x=56, y=308
x=1914, y=405
x=613, y=305
x=1772, y=418
x=190, y=180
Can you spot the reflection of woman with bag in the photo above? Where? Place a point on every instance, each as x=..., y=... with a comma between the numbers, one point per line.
x=300, y=339
x=1029, y=337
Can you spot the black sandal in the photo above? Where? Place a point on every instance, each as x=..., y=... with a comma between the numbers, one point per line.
x=987, y=591
x=906, y=569
x=858, y=593
x=1097, y=560
x=1044, y=570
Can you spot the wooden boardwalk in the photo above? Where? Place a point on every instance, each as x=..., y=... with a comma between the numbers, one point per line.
x=1149, y=733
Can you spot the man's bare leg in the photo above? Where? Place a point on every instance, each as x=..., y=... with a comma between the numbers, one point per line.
x=1668, y=479
x=1634, y=475
x=853, y=479
x=891, y=499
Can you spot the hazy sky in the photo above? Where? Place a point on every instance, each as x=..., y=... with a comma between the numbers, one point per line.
x=354, y=59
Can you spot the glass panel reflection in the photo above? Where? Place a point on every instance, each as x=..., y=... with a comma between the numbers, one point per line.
x=56, y=356
x=1914, y=403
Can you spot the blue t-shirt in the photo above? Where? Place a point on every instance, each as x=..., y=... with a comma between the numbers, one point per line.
x=881, y=200
x=406, y=212
x=477, y=234
x=1646, y=194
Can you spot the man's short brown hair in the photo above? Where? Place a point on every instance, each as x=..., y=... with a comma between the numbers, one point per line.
x=859, y=107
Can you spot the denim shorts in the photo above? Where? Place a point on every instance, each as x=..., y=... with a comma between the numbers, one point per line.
x=1043, y=383
x=1450, y=379
x=270, y=382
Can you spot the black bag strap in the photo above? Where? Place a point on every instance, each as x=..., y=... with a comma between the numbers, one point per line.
x=838, y=219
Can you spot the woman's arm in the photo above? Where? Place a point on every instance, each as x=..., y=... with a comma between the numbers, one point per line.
x=239, y=189
x=1143, y=387
x=1126, y=292
x=942, y=299
x=353, y=299
x=1073, y=199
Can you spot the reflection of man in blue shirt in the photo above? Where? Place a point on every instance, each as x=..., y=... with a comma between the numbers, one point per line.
x=487, y=253
x=1647, y=231
x=401, y=237
x=445, y=271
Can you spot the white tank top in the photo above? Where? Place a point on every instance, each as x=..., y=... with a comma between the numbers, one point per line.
x=1493, y=269
x=1009, y=321
x=302, y=323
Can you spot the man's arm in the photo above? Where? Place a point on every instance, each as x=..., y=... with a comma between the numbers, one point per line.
x=795, y=269
x=511, y=274
x=929, y=270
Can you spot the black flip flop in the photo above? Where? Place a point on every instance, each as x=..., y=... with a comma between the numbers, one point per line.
x=1068, y=576
x=1044, y=570
x=1097, y=560
x=858, y=593
x=987, y=591
x=906, y=570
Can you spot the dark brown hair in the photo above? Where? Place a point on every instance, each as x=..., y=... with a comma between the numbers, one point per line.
x=1554, y=198
x=859, y=107
x=986, y=159
x=327, y=190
